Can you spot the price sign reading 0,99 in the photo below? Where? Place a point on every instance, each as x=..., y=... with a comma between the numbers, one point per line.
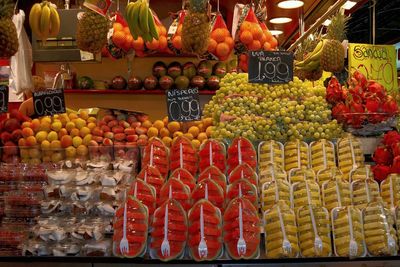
x=3, y=98
x=50, y=102
x=271, y=67
x=183, y=105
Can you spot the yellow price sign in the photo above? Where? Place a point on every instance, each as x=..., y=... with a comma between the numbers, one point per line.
x=376, y=62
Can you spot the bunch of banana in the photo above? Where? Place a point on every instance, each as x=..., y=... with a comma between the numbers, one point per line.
x=272, y=172
x=296, y=155
x=280, y=232
x=274, y=191
x=361, y=173
x=348, y=233
x=350, y=155
x=364, y=192
x=390, y=190
x=314, y=231
x=328, y=174
x=305, y=193
x=312, y=60
x=322, y=154
x=299, y=175
x=270, y=151
x=335, y=193
x=141, y=21
x=44, y=20
x=380, y=236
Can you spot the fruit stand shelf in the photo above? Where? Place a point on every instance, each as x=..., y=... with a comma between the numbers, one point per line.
x=130, y=92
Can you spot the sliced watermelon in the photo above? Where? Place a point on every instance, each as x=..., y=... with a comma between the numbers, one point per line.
x=243, y=171
x=184, y=155
x=218, y=155
x=145, y=193
x=214, y=191
x=156, y=153
x=248, y=190
x=152, y=176
x=241, y=151
x=180, y=192
x=214, y=174
x=185, y=176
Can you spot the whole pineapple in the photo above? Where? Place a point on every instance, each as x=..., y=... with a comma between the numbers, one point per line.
x=196, y=28
x=332, y=56
x=8, y=32
x=92, y=32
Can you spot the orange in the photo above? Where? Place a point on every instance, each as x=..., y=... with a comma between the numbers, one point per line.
x=209, y=131
x=174, y=126
x=163, y=43
x=246, y=26
x=118, y=27
x=162, y=31
x=196, y=143
x=126, y=30
x=246, y=37
x=188, y=136
x=257, y=33
x=159, y=124
x=226, y=32
x=147, y=124
x=222, y=50
x=201, y=137
x=273, y=42
x=230, y=42
x=268, y=35
x=119, y=38
x=267, y=46
x=218, y=35
x=153, y=45
x=138, y=44
x=167, y=141
x=194, y=130
x=255, y=45
x=179, y=30
x=152, y=132
x=128, y=42
x=164, y=132
x=263, y=39
x=212, y=44
x=177, y=42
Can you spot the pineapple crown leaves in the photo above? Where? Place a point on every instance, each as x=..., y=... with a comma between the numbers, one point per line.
x=338, y=28
x=6, y=8
x=199, y=6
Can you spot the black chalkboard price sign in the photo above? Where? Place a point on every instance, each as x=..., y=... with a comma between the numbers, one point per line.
x=183, y=105
x=3, y=98
x=49, y=102
x=271, y=67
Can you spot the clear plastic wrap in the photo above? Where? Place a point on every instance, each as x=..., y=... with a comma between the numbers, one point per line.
x=212, y=153
x=305, y=193
x=348, y=232
x=349, y=155
x=274, y=191
x=214, y=174
x=363, y=192
x=361, y=173
x=380, y=236
x=145, y=193
x=280, y=232
x=270, y=173
x=177, y=190
x=102, y=248
x=152, y=176
x=301, y=174
x=270, y=152
x=328, y=174
x=335, y=193
x=314, y=231
x=243, y=171
x=185, y=176
x=390, y=191
x=242, y=188
x=322, y=155
x=241, y=151
x=210, y=190
x=156, y=154
x=296, y=155
x=60, y=177
x=183, y=155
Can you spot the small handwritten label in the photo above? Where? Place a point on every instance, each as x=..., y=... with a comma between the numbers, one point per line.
x=49, y=102
x=183, y=105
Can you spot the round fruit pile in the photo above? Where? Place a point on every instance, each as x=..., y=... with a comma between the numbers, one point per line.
x=262, y=112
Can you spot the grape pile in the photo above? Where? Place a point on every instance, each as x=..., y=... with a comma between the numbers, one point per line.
x=260, y=112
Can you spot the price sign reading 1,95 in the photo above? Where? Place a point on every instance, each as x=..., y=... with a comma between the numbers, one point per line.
x=49, y=102
x=183, y=105
x=272, y=67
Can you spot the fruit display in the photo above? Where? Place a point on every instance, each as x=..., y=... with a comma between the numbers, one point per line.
x=215, y=174
x=272, y=172
x=262, y=112
x=365, y=108
x=175, y=32
x=177, y=190
x=301, y=174
x=183, y=155
x=210, y=190
x=390, y=191
x=170, y=223
x=348, y=233
x=281, y=232
x=85, y=82
x=185, y=176
x=335, y=193
x=242, y=188
x=152, y=176
x=243, y=171
x=350, y=155
x=196, y=28
x=270, y=152
x=212, y=153
x=241, y=151
x=141, y=22
x=387, y=156
x=380, y=236
x=362, y=173
x=205, y=231
x=130, y=223
x=273, y=192
x=156, y=154
x=8, y=32
x=296, y=155
x=241, y=229
x=305, y=193
x=364, y=192
x=322, y=155
x=220, y=42
x=91, y=34
x=328, y=174
x=44, y=20
x=145, y=193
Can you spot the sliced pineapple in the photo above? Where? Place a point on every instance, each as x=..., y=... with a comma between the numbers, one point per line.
x=296, y=155
x=298, y=175
x=322, y=155
x=364, y=192
x=274, y=191
x=335, y=193
x=270, y=151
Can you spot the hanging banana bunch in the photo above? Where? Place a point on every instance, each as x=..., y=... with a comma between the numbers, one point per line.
x=44, y=20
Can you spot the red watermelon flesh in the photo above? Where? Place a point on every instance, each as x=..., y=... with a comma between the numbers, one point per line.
x=243, y=171
x=248, y=190
x=185, y=176
x=179, y=191
x=152, y=176
x=214, y=192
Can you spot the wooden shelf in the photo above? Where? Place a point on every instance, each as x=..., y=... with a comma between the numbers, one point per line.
x=129, y=92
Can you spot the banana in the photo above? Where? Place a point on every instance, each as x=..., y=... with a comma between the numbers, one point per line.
x=45, y=22
x=135, y=16
x=152, y=25
x=54, y=22
x=315, y=55
x=144, y=17
x=34, y=20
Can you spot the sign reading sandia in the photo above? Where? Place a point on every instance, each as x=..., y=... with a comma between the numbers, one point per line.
x=376, y=62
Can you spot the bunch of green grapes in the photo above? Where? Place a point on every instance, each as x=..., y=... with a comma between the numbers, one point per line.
x=317, y=109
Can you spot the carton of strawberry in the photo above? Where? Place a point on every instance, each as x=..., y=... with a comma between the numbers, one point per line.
x=156, y=154
x=212, y=153
x=145, y=193
x=205, y=231
x=170, y=229
x=210, y=190
x=152, y=176
x=241, y=229
x=214, y=174
x=130, y=229
x=241, y=151
x=183, y=155
x=175, y=189
x=184, y=176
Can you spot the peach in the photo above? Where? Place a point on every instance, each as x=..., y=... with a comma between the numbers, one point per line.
x=141, y=130
x=27, y=132
x=109, y=135
x=56, y=126
x=142, y=117
x=142, y=142
x=41, y=136
x=112, y=123
x=105, y=128
x=74, y=132
x=129, y=131
x=35, y=125
x=21, y=142
x=52, y=136
x=45, y=145
x=70, y=152
x=93, y=145
x=82, y=150
x=124, y=124
x=91, y=120
x=56, y=144
x=98, y=139
x=80, y=123
x=69, y=126
x=108, y=118
x=101, y=123
x=117, y=129
x=84, y=115
x=132, y=138
x=132, y=144
x=76, y=141
x=84, y=131
x=66, y=141
x=91, y=125
x=143, y=136
x=107, y=142
x=62, y=132
x=136, y=124
x=119, y=137
x=45, y=126
x=86, y=140
x=26, y=124
x=10, y=148
x=96, y=131
x=31, y=141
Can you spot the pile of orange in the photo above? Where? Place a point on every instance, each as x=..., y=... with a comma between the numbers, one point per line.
x=122, y=37
x=254, y=37
x=220, y=43
x=161, y=44
x=177, y=38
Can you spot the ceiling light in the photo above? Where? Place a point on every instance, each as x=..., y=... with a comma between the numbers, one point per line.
x=280, y=20
x=276, y=32
x=327, y=22
x=290, y=4
x=349, y=5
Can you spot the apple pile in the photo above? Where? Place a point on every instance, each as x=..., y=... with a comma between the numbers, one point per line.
x=10, y=133
x=363, y=101
x=387, y=156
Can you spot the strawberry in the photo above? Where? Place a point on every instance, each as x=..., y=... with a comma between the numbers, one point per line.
x=381, y=172
x=391, y=138
x=382, y=156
